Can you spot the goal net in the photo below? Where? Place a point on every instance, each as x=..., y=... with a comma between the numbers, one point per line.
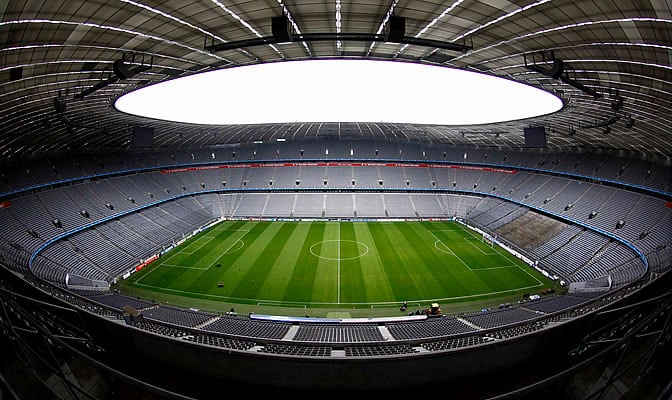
x=487, y=239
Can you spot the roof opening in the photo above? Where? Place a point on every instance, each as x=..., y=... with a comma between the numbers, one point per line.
x=339, y=90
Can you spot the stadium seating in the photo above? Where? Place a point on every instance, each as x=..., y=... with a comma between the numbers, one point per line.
x=116, y=210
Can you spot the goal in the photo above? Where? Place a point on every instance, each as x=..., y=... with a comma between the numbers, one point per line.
x=487, y=239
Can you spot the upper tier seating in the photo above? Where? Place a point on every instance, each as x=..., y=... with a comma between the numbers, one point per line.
x=603, y=166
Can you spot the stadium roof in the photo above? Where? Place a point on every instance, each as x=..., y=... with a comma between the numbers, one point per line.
x=610, y=61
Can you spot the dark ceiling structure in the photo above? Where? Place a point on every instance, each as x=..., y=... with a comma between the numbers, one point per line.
x=62, y=64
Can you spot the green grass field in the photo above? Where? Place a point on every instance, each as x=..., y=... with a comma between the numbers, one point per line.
x=334, y=265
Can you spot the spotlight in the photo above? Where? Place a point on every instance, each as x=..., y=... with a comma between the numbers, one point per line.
x=396, y=29
x=618, y=104
x=630, y=122
x=122, y=70
x=556, y=70
x=60, y=105
x=281, y=29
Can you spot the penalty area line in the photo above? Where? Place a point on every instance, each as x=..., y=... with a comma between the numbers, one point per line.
x=187, y=293
x=499, y=267
x=471, y=239
x=228, y=249
x=194, y=268
x=182, y=266
x=489, y=293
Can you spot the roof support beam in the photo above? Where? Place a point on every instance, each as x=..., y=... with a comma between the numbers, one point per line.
x=356, y=37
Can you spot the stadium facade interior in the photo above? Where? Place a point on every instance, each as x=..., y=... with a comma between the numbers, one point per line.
x=88, y=194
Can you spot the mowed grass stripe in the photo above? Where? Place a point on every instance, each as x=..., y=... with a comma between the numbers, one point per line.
x=258, y=258
x=404, y=282
x=302, y=276
x=276, y=285
x=326, y=275
x=418, y=260
x=353, y=284
x=274, y=254
x=374, y=278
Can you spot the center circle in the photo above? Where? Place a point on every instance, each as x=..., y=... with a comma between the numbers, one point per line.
x=334, y=249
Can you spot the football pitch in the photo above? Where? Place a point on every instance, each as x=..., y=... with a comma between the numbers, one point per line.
x=335, y=265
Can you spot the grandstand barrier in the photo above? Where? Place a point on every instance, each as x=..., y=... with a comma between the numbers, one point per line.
x=379, y=320
x=73, y=281
x=599, y=285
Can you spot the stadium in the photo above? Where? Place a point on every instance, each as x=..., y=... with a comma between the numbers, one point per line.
x=498, y=251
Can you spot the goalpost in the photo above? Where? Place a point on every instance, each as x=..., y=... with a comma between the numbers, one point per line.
x=487, y=239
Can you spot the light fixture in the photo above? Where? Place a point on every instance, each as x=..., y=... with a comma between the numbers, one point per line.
x=618, y=104
x=121, y=71
x=534, y=61
x=60, y=105
x=282, y=33
x=630, y=122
